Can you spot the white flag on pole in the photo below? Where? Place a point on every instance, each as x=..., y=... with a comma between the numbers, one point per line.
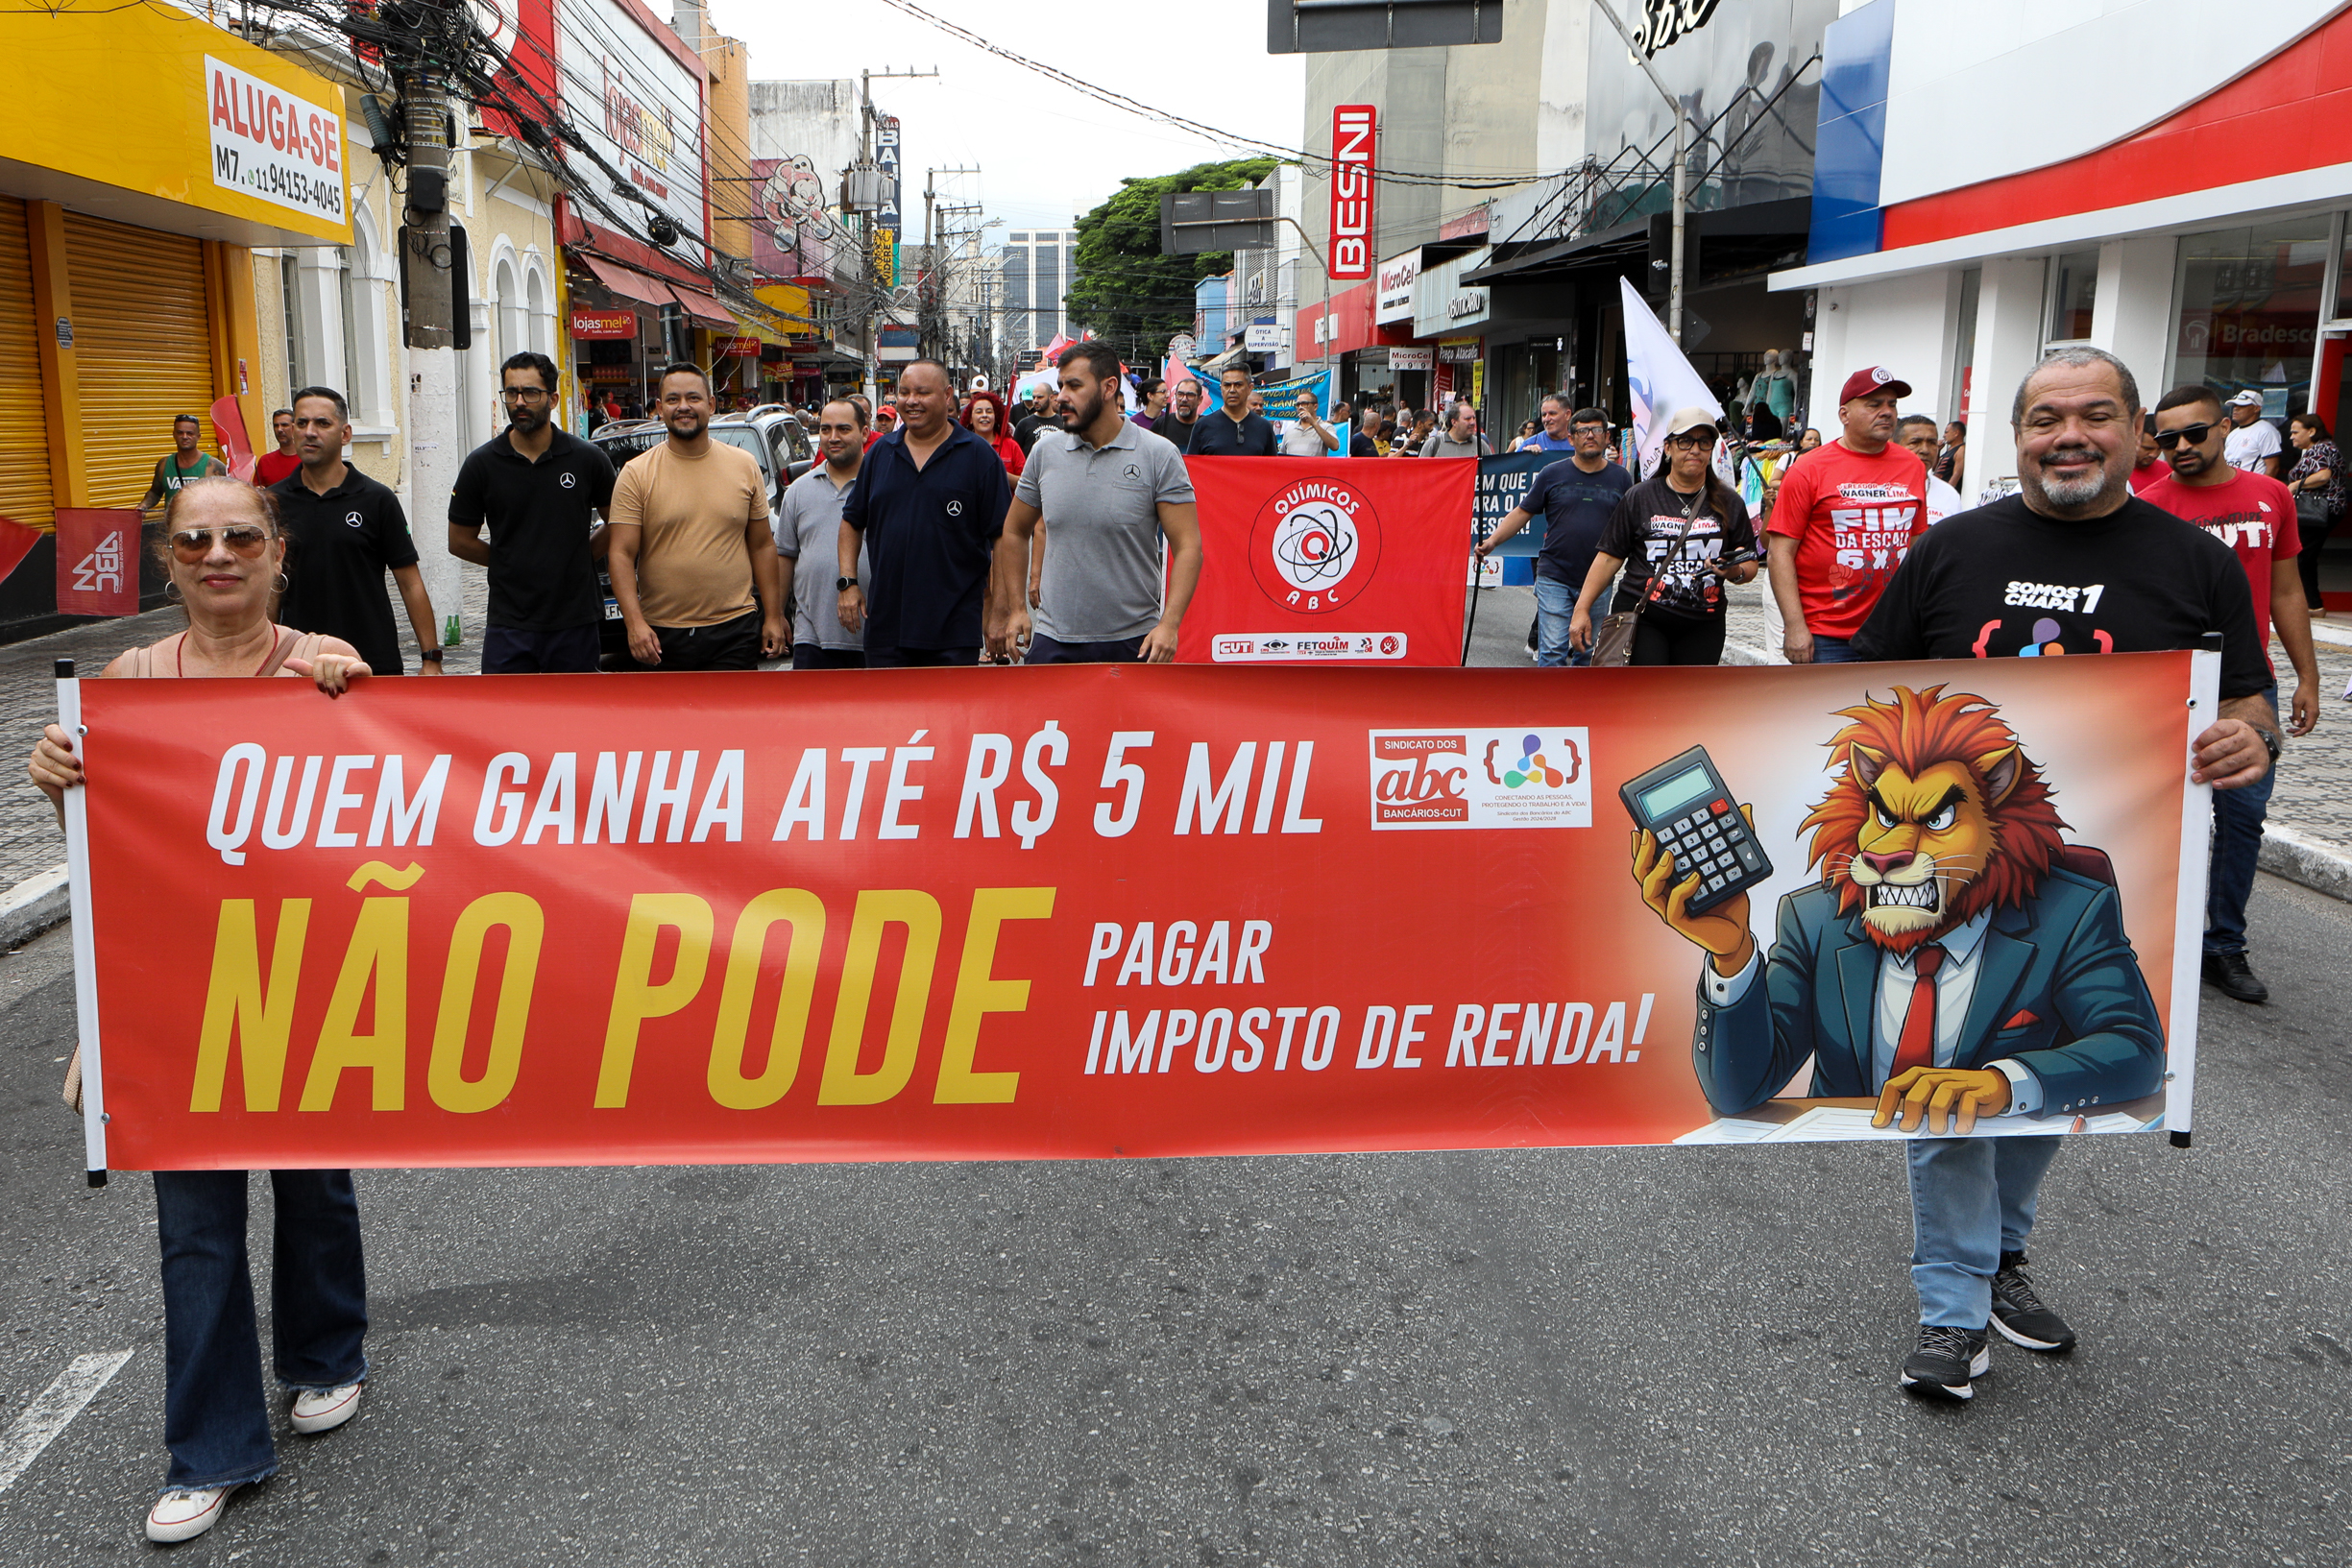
x=1658, y=378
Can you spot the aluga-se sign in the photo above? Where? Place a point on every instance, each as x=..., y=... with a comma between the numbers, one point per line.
x=1354, y=129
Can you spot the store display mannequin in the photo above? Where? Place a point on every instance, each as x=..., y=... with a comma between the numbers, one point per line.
x=1773, y=394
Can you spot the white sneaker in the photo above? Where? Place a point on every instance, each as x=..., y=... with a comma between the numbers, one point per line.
x=323, y=1409
x=182, y=1516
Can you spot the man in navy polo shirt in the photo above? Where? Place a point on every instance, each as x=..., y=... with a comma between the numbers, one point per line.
x=928, y=505
x=1233, y=431
x=541, y=490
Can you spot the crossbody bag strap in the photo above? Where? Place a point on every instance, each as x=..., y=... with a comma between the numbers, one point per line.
x=1658, y=576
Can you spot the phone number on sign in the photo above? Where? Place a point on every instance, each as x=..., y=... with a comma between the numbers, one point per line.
x=284, y=184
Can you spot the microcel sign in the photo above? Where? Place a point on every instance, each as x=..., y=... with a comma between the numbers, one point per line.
x=1392, y=295
x=1353, y=126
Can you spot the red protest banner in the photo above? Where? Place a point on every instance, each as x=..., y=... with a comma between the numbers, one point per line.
x=98, y=565
x=1328, y=560
x=1082, y=911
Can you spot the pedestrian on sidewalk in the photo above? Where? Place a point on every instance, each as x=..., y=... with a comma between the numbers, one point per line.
x=693, y=564
x=2160, y=584
x=542, y=492
x=1577, y=495
x=2254, y=514
x=2253, y=445
x=927, y=508
x=1842, y=521
x=183, y=463
x=273, y=467
x=2317, y=481
x=811, y=532
x=344, y=531
x=223, y=555
x=1113, y=492
x=1678, y=535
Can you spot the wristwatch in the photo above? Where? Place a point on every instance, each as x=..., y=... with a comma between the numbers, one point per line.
x=842, y=585
x=432, y=655
x=2270, y=742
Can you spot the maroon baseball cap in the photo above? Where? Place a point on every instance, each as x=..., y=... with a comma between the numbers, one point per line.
x=1876, y=379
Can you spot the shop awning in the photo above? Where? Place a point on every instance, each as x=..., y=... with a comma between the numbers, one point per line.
x=626, y=281
x=702, y=307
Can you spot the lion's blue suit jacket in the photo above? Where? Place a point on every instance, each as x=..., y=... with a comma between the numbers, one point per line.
x=2060, y=958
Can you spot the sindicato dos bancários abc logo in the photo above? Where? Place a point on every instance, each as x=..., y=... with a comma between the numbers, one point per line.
x=1315, y=546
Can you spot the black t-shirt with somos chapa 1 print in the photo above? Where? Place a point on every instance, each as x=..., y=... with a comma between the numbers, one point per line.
x=1644, y=529
x=2002, y=581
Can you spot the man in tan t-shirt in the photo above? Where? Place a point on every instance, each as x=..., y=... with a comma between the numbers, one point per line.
x=691, y=540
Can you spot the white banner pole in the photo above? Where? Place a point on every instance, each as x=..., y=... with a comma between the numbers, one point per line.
x=2189, y=911
x=84, y=936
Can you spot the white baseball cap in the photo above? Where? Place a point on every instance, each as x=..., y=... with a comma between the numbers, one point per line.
x=1692, y=419
x=2248, y=398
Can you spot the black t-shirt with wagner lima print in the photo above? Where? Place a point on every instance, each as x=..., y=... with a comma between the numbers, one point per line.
x=2003, y=581
x=1642, y=532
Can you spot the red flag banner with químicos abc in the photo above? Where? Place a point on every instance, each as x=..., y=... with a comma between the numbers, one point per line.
x=1324, y=561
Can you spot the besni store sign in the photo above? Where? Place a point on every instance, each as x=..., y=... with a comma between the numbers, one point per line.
x=1354, y=131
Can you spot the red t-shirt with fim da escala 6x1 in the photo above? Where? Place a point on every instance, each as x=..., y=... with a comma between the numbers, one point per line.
x=1853, y=517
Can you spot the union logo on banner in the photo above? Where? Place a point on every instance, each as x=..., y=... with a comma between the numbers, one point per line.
x=98, y=567
x=1316, y=545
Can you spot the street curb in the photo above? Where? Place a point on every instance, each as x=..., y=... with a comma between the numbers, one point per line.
x=2298, y=857
x=2319, y=865
x=33, y=906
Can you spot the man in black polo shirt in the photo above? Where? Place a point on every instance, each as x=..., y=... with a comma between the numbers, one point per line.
x=929, y=504
x=343, y=530
x=1233, y=431
x=541, y=490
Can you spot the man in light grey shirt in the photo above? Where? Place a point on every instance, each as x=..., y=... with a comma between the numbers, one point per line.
x=1310, y=436
x=1109, y=491
x=1460, y=437
x=811, y=523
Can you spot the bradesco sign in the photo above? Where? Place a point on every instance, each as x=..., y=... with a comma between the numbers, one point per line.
x=269, y=144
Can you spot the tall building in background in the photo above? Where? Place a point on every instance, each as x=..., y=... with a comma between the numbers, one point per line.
x=1037, y=268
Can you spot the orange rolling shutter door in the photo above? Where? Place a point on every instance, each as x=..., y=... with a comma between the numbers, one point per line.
x=143, y=341
x=24, y=429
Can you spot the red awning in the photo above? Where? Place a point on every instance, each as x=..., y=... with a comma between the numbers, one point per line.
x=627, y=282
x=702, y=307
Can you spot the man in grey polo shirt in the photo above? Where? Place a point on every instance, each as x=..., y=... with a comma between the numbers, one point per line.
x=1109, y=490
x=807, y=538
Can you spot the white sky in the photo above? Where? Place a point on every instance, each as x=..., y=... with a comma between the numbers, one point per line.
x=1046, y=154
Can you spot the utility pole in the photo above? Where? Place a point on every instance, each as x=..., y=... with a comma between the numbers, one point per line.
x=873, y=265
x=1682, y=168
x=431, y=334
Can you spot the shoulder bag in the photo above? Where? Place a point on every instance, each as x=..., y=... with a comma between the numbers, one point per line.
x=1613, y=646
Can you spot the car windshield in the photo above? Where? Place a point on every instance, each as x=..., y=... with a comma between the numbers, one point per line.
x=739, y=435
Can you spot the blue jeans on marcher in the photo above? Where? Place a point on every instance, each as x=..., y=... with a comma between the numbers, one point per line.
x=1972, y=1199
x=1555, y=610
x=2237, y=844
x=1834, y=650
x=217, y=1417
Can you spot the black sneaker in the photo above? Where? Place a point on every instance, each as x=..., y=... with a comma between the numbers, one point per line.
x=2234, y=978
x=2019, y=1313
x=1946, y=1362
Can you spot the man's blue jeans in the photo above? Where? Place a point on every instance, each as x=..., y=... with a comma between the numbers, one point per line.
x=2237, y=844
x=217, y=1417
x=1554, y=610
x=1972, y=1199
x=1834, y=650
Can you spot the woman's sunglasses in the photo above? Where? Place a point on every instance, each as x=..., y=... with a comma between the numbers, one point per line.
x=245, y=539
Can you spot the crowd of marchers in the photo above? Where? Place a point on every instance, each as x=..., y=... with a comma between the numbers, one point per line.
x=960, y=533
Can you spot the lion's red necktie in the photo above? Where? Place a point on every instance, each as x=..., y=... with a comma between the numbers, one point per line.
x=1917, y=1046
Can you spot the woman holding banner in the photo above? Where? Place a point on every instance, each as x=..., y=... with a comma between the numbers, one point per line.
x=224, y=559
x=1680, y=536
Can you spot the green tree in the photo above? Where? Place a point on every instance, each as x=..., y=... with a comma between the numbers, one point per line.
x=1122, y=287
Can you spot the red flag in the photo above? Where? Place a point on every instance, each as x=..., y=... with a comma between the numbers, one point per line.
x=98, y=563
x=16, y=541
x=229, y=425
x=1315, y=560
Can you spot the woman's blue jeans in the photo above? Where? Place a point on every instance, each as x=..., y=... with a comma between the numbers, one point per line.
x=217, y=1417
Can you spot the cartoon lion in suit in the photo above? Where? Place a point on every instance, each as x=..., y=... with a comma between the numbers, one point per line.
x=1939, y=833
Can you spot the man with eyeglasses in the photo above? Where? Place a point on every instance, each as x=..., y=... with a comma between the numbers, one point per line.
x=2254, y=514
x=1577, y=495
x=344, y=530
x=542, y=493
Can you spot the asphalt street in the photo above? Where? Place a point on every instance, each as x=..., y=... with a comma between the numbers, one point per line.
x=1670, y=1356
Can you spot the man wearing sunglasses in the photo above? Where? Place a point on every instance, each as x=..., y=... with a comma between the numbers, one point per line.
x=344, y=530
x=2254, y=514
x=542, y=491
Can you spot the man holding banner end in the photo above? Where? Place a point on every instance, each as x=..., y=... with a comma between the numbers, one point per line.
x=1111, y=491
x=1577, y=496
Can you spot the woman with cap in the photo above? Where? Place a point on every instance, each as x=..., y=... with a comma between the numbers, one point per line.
x=225, y=560
x=1678, y=535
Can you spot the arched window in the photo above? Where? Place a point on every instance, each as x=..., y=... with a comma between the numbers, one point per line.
x=506, y=295
x=540, y=308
